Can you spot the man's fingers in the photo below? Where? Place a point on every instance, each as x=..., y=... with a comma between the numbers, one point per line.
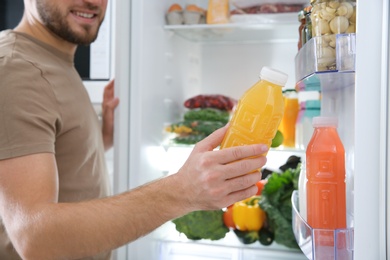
x=240, y=152
x=108, y=91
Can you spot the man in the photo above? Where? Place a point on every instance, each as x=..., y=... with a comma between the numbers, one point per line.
x=54, y=201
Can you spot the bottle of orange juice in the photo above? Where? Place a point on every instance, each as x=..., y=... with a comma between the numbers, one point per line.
x=325, y=173
x=258, y=112
x=287, y=125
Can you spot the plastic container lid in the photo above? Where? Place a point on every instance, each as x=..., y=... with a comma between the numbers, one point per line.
x=323, y=121
x=273, y=76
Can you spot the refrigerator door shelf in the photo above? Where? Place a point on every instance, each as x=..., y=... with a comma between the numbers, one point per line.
x=310, y=239
x=326, y=81
x=324, y=54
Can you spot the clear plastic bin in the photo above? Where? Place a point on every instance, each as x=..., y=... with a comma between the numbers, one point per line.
x=315, y=243
x=328, y=53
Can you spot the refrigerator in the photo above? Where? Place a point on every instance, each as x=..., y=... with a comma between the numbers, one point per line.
x=158, y=66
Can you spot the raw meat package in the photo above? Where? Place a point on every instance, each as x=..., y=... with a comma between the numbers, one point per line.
x=250, y=3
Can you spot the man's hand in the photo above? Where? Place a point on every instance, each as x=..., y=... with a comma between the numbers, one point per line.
x=109, y=104
x=216, y=179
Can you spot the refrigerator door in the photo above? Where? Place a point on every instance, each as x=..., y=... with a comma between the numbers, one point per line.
x=385, y=118
x=371, y=130
x=386, y=69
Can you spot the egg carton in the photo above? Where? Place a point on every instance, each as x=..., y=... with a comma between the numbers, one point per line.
x=327, y=53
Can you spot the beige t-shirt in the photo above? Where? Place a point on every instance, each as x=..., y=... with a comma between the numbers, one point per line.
x=44, y=107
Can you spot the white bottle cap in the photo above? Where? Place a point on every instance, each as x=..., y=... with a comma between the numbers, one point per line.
x=273, y=76
x=321, y=121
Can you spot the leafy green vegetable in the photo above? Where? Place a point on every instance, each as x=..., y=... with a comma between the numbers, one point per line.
x=188, y=139
x=194, y=127
x=203, y=224
x=207, y=114
x=206, y=127
x=276, y=202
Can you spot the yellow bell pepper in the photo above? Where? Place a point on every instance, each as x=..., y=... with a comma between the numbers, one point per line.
x=247, y=214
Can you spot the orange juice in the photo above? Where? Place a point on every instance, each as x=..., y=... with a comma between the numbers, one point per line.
x=287, y=125
x=259, y=111
x=325, y=173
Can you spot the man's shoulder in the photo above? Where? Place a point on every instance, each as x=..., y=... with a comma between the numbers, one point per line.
x=11, y=46
x=17, y=45
x=7, y=41
x=17, y=54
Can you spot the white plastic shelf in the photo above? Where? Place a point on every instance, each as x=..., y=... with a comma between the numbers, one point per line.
x=321, y=243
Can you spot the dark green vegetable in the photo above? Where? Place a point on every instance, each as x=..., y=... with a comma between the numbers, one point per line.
x=276, y=202
x=266, y=236
x=188, y=139
x=194, y=127
x=247, y=237
x=203, y=224
x=207, y=114
x=292, y=162
x=206, y=127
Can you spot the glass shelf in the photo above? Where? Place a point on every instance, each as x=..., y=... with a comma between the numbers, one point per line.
x=318, y=64
x=236, y=32
x=320, y=243
x=168, y=234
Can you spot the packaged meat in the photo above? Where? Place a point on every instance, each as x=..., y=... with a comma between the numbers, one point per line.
x=250, y=3
x=211, y=101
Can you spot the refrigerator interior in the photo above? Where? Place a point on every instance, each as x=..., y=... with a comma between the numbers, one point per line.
x=165, y=66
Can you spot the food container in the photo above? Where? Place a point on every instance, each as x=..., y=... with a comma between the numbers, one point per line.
x=333, y=17
x=328, y=19
x=193, y=14
x=174, y=15
x=191, y=17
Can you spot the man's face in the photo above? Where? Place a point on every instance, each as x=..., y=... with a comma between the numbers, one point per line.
x=76, y=21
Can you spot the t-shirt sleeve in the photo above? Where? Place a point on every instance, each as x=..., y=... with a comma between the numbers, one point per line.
x=29, y=117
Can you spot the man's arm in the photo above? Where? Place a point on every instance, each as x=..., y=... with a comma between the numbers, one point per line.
x=42, y=228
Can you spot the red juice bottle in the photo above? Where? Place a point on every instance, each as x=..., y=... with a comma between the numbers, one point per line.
x=326, y=188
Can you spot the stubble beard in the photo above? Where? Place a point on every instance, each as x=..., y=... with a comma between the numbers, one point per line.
x=53, y=19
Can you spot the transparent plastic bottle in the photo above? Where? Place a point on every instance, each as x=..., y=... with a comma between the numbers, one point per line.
x=258, y=112
x=325, y=173
x=287, y=125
